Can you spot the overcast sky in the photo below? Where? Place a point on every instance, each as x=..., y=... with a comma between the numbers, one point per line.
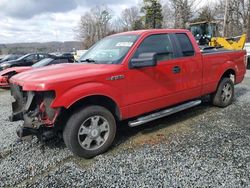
x=47, y=20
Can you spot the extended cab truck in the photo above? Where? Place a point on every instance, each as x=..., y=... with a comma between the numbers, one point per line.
x=137, y=76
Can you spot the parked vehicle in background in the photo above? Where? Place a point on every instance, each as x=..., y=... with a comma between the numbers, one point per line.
x=10, y=57
x=1, y=57
x=6, y=74
x=26, y=60
x=137, y=76
x=79, y=54
x=69, y=56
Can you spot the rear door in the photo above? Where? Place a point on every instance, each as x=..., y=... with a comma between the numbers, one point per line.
x=151, y=88
x=191, y=67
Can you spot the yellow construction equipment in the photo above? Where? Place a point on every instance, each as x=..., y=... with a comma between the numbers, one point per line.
x=206, y=33
x=235, y=43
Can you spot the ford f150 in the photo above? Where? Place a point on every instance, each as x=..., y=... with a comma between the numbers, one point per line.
x=137, y=76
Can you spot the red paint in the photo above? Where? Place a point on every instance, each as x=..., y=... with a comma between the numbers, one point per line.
x=142, y=90
x=4, y=78
x=44, y=117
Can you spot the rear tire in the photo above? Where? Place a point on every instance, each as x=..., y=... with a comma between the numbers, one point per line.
x=224, y=93
x=90, y=131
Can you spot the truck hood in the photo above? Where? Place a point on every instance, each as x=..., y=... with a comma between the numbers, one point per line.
x=61, y=73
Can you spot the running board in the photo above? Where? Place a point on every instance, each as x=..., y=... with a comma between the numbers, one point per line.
x=163, y=113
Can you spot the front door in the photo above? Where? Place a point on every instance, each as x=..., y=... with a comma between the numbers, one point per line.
x=152, y=88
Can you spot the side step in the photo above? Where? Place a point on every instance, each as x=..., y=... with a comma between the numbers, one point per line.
x=163, y=113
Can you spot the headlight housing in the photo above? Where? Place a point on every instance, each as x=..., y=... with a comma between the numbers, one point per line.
x=5, y=65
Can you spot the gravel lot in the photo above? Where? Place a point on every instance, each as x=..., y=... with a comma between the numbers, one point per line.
x=201, y=147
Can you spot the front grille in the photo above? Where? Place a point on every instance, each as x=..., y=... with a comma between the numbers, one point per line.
x=48, y=97
x=32, y=106
x=20, y=98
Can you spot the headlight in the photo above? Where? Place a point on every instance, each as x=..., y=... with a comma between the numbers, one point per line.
x=5, y=66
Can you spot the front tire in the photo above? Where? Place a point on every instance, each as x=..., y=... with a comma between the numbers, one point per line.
x=90, y=131
x=224, y=93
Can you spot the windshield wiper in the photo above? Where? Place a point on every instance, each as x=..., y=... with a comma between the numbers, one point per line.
x=88, y=60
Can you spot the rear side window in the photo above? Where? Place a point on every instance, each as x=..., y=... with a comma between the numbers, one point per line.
x=58, y=61
x=185, y=44
x=31, y=58
x=159, y=44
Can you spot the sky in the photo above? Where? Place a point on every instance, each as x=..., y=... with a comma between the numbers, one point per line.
x=47, y=20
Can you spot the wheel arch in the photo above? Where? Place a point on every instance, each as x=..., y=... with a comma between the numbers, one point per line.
x=228, y=74
x=100, y=100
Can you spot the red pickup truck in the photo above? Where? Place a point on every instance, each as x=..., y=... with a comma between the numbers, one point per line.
x=137, y=76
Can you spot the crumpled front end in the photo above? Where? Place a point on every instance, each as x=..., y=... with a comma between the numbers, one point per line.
x=34, y=109
x=4, y=82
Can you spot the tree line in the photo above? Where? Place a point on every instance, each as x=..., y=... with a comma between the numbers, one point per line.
x=233, y=17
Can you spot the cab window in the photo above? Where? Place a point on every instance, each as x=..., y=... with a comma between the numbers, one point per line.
x=185, y=44
x=31, y=58
x=159, y=44
x=59, y=61
x=42, y=56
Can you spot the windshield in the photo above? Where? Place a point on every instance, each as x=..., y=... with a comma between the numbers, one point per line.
x=110, y=50
x=42, y=63
x=22, y=57
x=6, y=58
x=207, y=29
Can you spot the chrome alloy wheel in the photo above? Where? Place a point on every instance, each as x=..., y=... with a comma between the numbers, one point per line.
x=226, y=93
x=93, y=132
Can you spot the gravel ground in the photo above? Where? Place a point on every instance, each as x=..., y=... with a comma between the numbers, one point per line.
x=201, y=147
x=248, y=74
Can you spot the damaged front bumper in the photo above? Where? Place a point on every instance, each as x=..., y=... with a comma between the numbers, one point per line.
x=34, y=109
x=4, y=84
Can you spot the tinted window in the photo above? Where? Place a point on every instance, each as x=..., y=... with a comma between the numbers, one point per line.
x=31, y=58
x=58, y=61
x=42, y=56
x=159, y=44
x=42, y=63
x=185, y=44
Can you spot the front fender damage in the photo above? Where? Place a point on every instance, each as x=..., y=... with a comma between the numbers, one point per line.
x=35, y=111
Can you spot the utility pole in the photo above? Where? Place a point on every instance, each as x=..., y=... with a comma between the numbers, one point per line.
x=225, y=19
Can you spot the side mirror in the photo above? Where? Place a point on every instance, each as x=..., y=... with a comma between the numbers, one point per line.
x=144, y=60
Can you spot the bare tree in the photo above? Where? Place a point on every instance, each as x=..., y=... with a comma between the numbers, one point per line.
x=94, y=25
x=248, y=22
x=98, y=22
x=168, y=16
x=225, y=18
x=86, y=31
x=206, y=13
x=129, y=16
x=183, y=11
x=236, y=22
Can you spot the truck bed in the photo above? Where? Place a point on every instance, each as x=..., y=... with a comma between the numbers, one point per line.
x=210, y=49
x=216, y=60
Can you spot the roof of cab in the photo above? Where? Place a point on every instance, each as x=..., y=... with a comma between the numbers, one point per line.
x=149, y=31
